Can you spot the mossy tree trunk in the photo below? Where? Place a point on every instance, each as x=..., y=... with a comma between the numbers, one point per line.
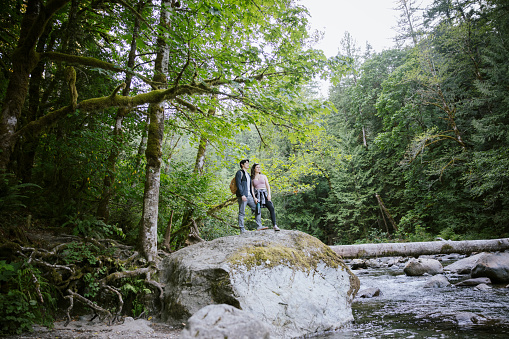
x=25, y=149
x=153, y=153
x=24, y=60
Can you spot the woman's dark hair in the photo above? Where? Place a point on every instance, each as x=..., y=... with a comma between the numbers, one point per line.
x=253, y=170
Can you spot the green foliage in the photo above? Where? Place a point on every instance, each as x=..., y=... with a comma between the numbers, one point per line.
x=91, y=280
x=16, y=313
x=449, y=234
x=76, y=253
x=25, y=298
x=434, y=124
x=135, y=292
x=8, y=271
x=90, y=226
x=13, y=193
x=420, y=234
x=375, y=236
x=303, y=209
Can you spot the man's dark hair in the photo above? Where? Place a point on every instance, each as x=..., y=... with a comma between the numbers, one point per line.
x=243, y=161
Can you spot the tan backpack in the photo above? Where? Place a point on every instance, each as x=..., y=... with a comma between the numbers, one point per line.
x=233, y=184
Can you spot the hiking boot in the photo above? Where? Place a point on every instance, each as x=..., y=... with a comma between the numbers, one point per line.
x=276, y=228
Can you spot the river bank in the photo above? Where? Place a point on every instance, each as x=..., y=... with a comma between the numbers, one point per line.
x=83, y=328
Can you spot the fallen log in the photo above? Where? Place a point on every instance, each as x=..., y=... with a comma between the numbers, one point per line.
x=415, y=249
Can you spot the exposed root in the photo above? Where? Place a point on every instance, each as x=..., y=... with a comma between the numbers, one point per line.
x=120, y=301
x=68, y=310
x=156, y=285
x=194, y=234
x=84, y=269
x=103, y=313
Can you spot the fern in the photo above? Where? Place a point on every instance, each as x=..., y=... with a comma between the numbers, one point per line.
x=27, y=301
x=11, y=196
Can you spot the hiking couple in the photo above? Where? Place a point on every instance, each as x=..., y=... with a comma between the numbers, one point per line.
x=251, y=190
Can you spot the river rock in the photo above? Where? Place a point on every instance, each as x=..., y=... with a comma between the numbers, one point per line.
x=449, y=257
x=358, y=264
x=494, y=266
x=474, y=282
x=465, y=265
x=469, y=318
x=415, y=267
x=392, y=261
x=437, y=281
x=369, y=292
x=482, y=287
x=374, y=263
x=289, y=280
x=224, y=321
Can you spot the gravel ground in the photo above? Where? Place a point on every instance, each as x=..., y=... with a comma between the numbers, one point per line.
x=85, y=329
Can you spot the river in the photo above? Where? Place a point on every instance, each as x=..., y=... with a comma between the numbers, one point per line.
x=408, y=310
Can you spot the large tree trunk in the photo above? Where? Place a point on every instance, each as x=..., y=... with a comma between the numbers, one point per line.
x=26, y=148
x=24, y=60
x=153, y=153
x=414, y=249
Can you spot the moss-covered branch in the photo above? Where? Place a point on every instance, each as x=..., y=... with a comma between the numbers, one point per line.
x=91, y=62
x=113, y=100
x=81, y=60
x=222, y=205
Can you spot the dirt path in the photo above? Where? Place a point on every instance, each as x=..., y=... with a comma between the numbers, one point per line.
x=85, y=329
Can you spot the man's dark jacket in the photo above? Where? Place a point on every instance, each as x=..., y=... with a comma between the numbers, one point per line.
x=241, y=181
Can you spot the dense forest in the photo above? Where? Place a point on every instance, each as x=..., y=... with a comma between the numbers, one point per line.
x=123, y=123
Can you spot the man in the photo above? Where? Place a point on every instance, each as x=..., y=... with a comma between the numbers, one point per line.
x=244, y=196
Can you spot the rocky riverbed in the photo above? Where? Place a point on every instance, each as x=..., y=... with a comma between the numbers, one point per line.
x=403, y=306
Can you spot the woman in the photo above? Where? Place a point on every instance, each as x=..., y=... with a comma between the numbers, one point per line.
x=261, y=192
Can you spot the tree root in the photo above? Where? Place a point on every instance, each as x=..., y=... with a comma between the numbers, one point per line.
x=103, y=313
x=83, y=266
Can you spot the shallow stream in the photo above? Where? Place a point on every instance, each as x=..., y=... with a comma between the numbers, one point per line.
x=408, y=310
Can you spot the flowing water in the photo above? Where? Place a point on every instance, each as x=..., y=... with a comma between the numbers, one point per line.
x=407, y=310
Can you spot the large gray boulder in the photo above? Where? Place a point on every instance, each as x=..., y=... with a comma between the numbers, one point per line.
x=465, y=265
x=416, y=267
x=224, y=321
x=494, y=266
x=437, y=281
x=290, y=280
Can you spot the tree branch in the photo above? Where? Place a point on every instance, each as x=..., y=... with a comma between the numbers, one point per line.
x=92, y=62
